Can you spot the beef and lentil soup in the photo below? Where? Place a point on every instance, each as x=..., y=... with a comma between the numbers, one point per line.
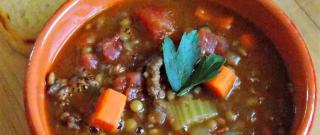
x=169, y=67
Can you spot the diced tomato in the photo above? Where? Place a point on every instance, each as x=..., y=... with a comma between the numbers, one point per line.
x=130, y=84
x=248, y=41
x=208, y=41
x=222, y=47
x=89, y=61
x=134, y=79
x=111, y=49
x=132, y=93
x=211, y=43
x=157, y=21
x=120, y=83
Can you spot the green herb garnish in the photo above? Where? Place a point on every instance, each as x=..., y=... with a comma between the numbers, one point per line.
x=179, y=64
x=204, y=71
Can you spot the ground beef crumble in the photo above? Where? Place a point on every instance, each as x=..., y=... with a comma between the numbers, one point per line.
x=152, y=75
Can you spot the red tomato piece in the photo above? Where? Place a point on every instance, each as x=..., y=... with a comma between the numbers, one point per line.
x=89, y=61
x=111, y=49
x=157, y=21
x=211, y=43
x=130, y=84
x=208, y=41
x=134, y=79
x=132, y=93
x=222, y=47
x=120, y=83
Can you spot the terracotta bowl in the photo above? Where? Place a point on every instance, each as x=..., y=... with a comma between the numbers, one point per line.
x=265, y=14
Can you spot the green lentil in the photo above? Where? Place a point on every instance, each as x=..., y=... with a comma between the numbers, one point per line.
x=125, y=22
x=100, y=22
x=124, y=36
x=91, y=39
x=99, y=78
x=130, y=125
x=235, y=43
x=154, y=132
x=128, y=46
x=51, y=78
x=252, y=101
x=170, y=96
x=221, y=121
x=211, y=125
x=86, y=49
x=230, y=116
x=136, y=106
x=242, y=51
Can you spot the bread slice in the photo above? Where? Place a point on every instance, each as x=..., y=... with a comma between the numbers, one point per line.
x=25, y=18
x=22, y=20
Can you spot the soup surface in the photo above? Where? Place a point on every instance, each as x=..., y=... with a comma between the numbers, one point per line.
x=121, y=74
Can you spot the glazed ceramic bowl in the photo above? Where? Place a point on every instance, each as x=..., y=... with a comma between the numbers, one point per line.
x=263, y=13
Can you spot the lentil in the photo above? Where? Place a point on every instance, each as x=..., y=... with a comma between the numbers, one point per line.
x=130, y=125
x=51, y=78
x=136, y=106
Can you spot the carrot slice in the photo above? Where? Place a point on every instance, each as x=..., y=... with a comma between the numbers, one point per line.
x=222, y=83
x=248, y=41
x=108, y=110
x=202, y=14
x=221, y=21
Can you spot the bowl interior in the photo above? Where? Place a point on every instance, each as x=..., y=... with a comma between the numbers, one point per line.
x=291, y=47
x=73, y=14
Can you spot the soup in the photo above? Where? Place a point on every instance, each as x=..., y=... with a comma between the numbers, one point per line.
x=169, y=67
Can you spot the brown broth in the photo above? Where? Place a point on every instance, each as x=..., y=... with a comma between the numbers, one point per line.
x=262, y=72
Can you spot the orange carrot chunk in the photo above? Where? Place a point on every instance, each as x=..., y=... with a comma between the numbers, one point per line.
x=248, y=41
x=108, y=110
x=223, y=22
x=222, y=83
x=202, y=14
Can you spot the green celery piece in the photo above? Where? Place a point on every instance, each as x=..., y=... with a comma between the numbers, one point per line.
x=205, y=109
x=209, y=108
x=179, y=63
x=177, y=119
x=189, y=112
x=179, y=110
x=197, y=108
x=186, y=120
x=193, y=111
x=201, y=108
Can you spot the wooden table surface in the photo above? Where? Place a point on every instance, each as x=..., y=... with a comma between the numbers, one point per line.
x=304, y=13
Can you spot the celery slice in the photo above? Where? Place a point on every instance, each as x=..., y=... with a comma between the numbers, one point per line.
x=186, y=112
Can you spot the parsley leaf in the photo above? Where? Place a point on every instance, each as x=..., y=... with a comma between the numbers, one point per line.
x=181, y=66
x=205, y=70
x=179, y=63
